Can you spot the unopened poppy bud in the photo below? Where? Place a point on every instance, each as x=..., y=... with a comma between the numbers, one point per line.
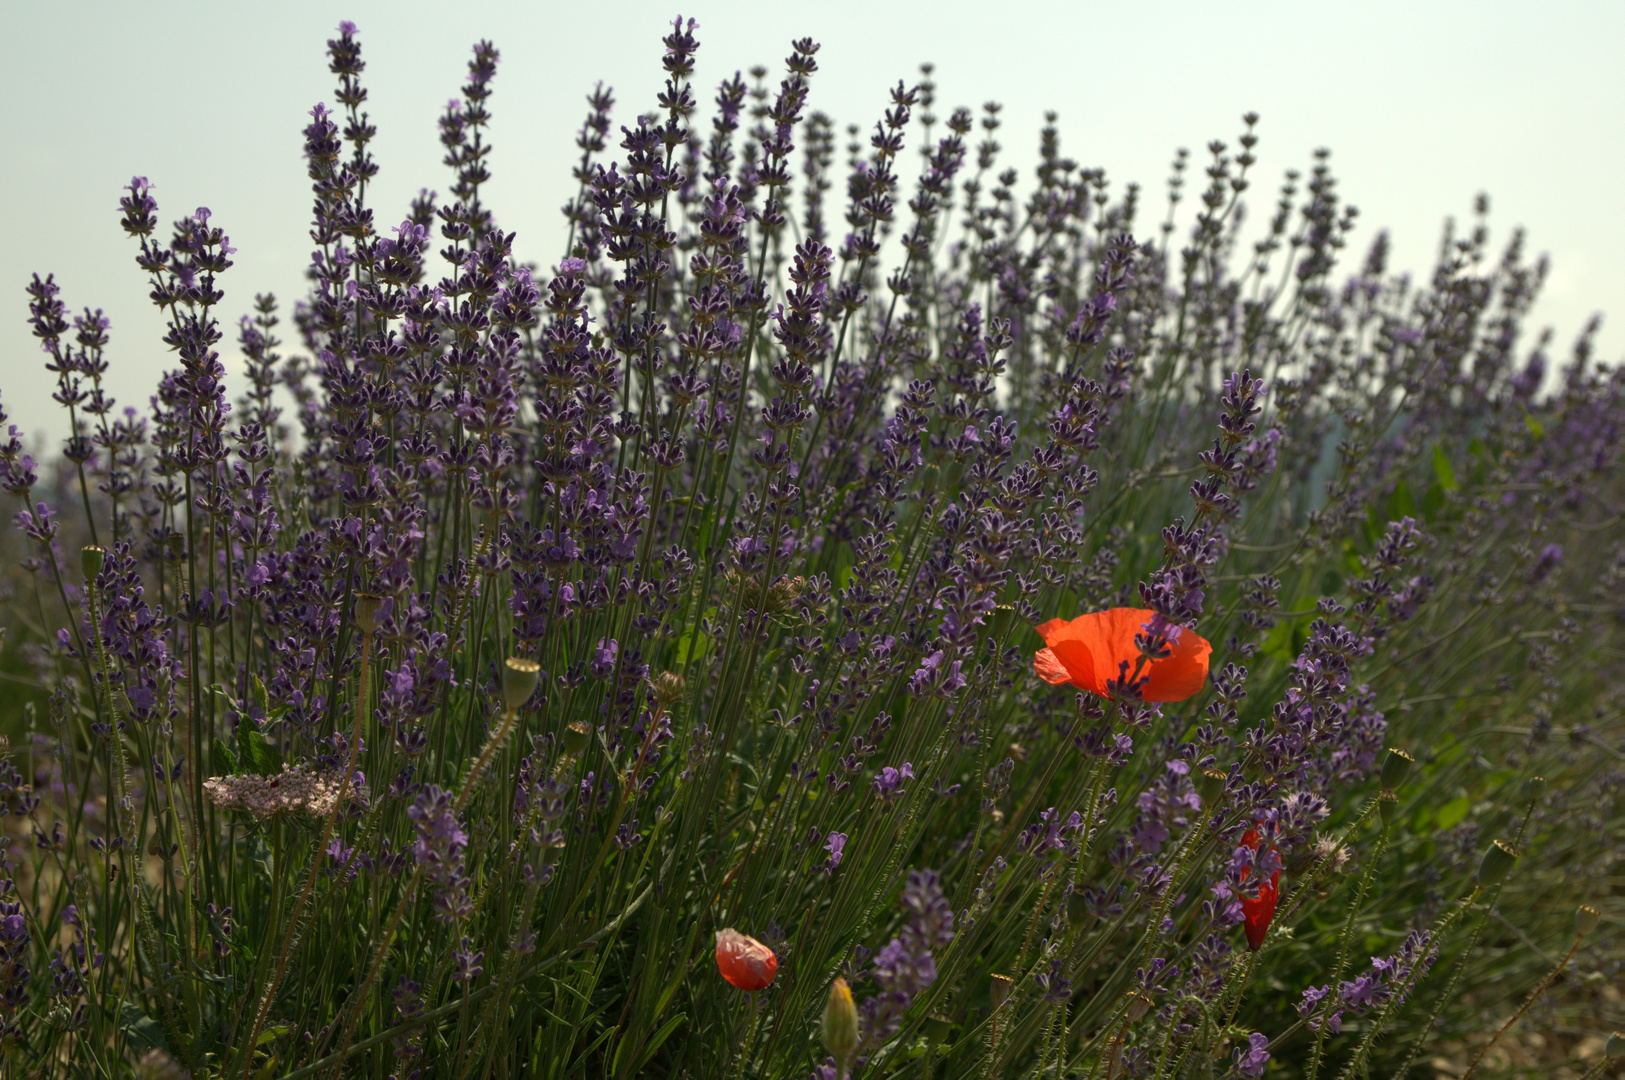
x=1212, y=786
x=519, y=678
x=1000, y=988
x=1387, y=803
x=1394, y=768
x=937, y=1027
x=1534, y=788
x=577, y=737
x=1616, y=1045
x=1077, y=909
x=1497, y=864
x=840, y=1029
x=1585, y=919
x=366, y=612
x=91, y=558
x=744, y=961
x=668, y=687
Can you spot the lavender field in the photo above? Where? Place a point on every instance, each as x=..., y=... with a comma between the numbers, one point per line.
x=860, y=610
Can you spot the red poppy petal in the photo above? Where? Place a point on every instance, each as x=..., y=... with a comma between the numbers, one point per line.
x=1049, y=667
x=1081, y=663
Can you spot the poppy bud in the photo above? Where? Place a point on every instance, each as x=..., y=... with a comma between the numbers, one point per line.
x=1212, y=786
x=840, y=1029
x=1497, y=863
x=91, y=558
x=1394, y=768
x=1534, y=788
x=1077, y=909
x=1387, y=802
x=1585, y=919
x=668, y=687
x=577, y=737
x=999, y=989
x=366, y=611
x=1616, y=1045
x=744, y=961
x=519, y=678
x=174, y=547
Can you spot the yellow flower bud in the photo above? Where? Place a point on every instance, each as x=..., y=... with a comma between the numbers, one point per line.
x=840, y=1030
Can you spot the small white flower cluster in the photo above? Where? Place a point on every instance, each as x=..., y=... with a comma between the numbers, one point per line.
x=298, y=789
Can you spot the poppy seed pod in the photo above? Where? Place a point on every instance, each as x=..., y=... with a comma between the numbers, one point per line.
x=1213, y=782
x=91, y=558
x=1387, y=803
x=1138, y=1007
x=577, y=737
x=1616, y=1045
x=366, y=611
x=519, y=678
x=1534, y=788
x=999, y=989
x=1394, y=768
x=937, y=1027
x=1585, y=919
x=840, y=1027
x=1497, y=863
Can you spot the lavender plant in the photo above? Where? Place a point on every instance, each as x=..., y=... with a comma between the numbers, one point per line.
x=431, y=698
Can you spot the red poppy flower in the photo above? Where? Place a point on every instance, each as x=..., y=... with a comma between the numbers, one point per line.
x=1257, y=913
x=744, y=961
x=1090, y=651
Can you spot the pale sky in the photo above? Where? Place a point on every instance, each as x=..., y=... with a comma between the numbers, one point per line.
x=1423, y=104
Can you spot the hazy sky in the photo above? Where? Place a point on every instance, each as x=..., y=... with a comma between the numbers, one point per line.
x=1423, y=104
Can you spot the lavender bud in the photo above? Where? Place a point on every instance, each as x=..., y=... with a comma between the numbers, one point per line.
x=1585, y=919
x=1498, y=862
x=519, y=678
x=91, y=558
x=577, y=737
x=1394, y=768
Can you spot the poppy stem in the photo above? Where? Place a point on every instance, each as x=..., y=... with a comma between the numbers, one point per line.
x=1345, y=941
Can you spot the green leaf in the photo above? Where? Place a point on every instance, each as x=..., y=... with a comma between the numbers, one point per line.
x=224, y=756
x=691, y=646
x=1401, y=504
x=258, y=756
x=656, y=1039
x=1536, y=428
x=1452, y=812
x=142, y=1029
x=1443, y=469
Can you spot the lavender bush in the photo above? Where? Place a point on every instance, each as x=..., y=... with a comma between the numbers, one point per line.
x=426, y=702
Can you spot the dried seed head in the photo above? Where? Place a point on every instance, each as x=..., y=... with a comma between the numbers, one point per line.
x=1534, y=788
x=91, y=558
x=1000, y=989
x=1212, y=786
x=1138, y=1007
x=1497, y=864
x=1394, y=768
x=1585, y=919
x=1616, y=1045
x=577, y=737
x=937, y=1027
x=519, y=678
x=840, y=1027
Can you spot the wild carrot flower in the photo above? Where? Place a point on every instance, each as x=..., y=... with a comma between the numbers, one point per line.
x=1097, y=652
x=744, y=961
